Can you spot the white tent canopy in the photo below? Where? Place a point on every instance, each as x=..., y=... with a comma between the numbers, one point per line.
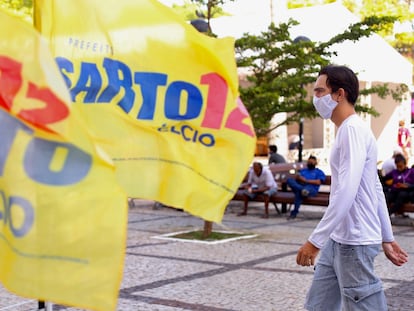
x=372, y=58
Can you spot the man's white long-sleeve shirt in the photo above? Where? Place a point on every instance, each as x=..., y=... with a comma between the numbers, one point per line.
x=357, y=213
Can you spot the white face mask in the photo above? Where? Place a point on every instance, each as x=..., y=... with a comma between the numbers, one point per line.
x=324, y=105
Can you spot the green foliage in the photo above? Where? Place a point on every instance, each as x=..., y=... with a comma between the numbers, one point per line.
x=280, y=68
x=214, y=236
x=187, y=11
x=404, y=44
x=401, y=10
x=205, y=9
x=210, y=9
x=396, y=8
x=293, y=4
x=20, y=8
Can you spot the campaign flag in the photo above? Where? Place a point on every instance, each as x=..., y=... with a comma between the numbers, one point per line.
x=63, y=215
x=161, y=98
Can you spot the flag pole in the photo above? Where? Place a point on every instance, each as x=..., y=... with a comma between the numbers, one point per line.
x=46, y=306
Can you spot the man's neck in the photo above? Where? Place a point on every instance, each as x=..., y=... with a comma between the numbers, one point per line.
x=342, y=112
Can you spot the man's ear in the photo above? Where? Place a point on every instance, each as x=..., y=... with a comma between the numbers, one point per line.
x=341, y=93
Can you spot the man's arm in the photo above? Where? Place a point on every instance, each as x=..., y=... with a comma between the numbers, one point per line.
x=395, y=253
x=350, y=162
x=313, y=181
x=317, y=181
x=249, y=182
x=392, y=250
x=307, y=254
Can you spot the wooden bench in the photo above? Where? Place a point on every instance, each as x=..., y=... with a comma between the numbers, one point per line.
x=408, y=208
x=285, y=197
x=281, y=172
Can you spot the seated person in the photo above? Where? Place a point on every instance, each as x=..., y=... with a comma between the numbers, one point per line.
x=400, y=182
x=275, y=157
x=305, y=184
x=389, y=164
x=260, y=181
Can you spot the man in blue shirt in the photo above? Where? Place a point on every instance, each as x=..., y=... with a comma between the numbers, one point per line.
x=306, y=184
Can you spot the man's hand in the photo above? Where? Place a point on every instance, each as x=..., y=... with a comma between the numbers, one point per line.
x=401, y=185
x=301, y=179
x=307, y=254
x=395, y=253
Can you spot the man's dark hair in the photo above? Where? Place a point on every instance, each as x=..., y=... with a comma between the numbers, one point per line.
x=273, y=148
x=342, y=77
x=259, y=164
x=400, y=158
x=313, y=157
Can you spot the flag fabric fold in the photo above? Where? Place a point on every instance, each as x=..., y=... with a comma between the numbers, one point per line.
x=160, y=98
x=63, y=214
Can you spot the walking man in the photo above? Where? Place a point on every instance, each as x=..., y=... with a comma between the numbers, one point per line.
x=356, y=222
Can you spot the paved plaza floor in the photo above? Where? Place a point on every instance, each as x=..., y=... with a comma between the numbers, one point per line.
x=252, y=274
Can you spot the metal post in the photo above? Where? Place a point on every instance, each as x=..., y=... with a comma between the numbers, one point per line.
x=46, y=306
x=300, y=145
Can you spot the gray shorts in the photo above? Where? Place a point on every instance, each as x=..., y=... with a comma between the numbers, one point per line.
x=345, y=280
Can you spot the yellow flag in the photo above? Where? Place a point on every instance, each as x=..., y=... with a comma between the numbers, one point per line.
x=160, y=98
x=62, y=214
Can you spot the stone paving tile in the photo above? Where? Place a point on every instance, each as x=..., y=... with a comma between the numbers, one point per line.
x=141, y=270
x=245, y=275
x=246, y=287
x=242, y=251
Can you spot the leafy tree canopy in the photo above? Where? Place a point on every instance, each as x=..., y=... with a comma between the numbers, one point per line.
x=204, y=9
x=20, y=8
x=210, y=8
x=280, y=68
x=399, y=34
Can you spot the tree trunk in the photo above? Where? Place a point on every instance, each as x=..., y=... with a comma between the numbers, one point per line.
x=208, y=228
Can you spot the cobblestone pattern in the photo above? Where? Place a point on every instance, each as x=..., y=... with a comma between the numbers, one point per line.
x=244, y=275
